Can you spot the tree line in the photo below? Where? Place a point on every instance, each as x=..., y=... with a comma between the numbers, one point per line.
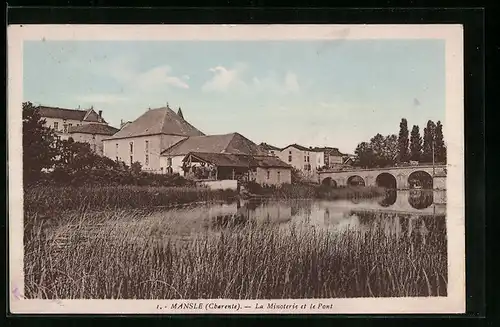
x=49, y=160
x=391, y=150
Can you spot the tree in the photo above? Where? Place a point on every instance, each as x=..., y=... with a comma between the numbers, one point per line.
x=429, y=132
x=415, y=144
x=365, y=156
x=389, y=151
x=403, y=141
x=377, y=144
x=39, y=144
x=136, y=168
x=439, y=145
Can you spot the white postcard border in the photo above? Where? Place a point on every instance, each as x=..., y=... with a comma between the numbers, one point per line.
x=454, y=125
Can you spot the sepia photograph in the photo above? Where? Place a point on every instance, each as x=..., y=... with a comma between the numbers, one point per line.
x=244, y=169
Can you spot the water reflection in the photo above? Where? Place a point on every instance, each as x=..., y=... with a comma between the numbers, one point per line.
x=389, y=199
x=421, y=199
x=401, y=213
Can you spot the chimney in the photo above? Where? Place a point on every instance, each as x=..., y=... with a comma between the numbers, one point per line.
x=121, y=123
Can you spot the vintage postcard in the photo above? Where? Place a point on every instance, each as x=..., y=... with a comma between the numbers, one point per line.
x=236, y=169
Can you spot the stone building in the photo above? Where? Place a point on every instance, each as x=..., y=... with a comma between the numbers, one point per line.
x=93, y=134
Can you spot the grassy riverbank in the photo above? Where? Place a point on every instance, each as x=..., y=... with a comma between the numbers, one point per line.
x=126, y=260
x=313, y=191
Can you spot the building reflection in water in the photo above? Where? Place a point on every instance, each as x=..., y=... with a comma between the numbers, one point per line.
x=403, y=214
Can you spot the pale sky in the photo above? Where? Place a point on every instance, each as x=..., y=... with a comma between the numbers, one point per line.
x=315, y=93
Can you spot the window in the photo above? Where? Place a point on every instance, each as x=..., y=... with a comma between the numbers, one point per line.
x=147, y=146
x=268, y=174
x=116, y=158
x=65, y=128
x=290, y=152
x=131, y=147
x=289, y=158
x=147, y=160
x=279, y=176
x=305, y=159
x=272, y=152
x=77, y=124
x=169, y=162
x=56, y=126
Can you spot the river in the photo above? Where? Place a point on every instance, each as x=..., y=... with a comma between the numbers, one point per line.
x=414, y=212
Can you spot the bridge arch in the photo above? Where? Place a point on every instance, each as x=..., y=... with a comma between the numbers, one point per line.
x=420, y=179
x=329, y=182
x=386, y=180
x=355, y=180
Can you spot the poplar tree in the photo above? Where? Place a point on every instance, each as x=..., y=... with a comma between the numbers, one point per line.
x=403, y=141
x=439, y=145
x=429, y=132
x=415, y=144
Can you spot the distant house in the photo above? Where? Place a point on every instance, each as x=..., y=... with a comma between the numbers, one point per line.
x=144, y=139
x=348, y=159
x=93, y=134
x=62, y=119
x=333, y=157
x=270, y=149
x=302, y=158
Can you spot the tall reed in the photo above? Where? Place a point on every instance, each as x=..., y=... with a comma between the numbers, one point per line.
x=143, y=260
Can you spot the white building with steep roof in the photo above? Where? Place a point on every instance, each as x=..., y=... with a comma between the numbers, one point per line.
x=144, y=139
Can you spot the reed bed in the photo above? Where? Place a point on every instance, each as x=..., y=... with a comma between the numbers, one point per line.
x=52, y=199
x=55, y=198
x=250, y=261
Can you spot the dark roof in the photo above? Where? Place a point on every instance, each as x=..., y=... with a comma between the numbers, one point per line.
x=268, y=147
x=236, y=160
x=269, y=161
x=94, y=128
x=233, y=143
x=72, y=114
x=158, y=121
x=300, y=147
x=329, y=150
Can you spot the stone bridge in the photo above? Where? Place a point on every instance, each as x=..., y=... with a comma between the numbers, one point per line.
x=401, y=178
